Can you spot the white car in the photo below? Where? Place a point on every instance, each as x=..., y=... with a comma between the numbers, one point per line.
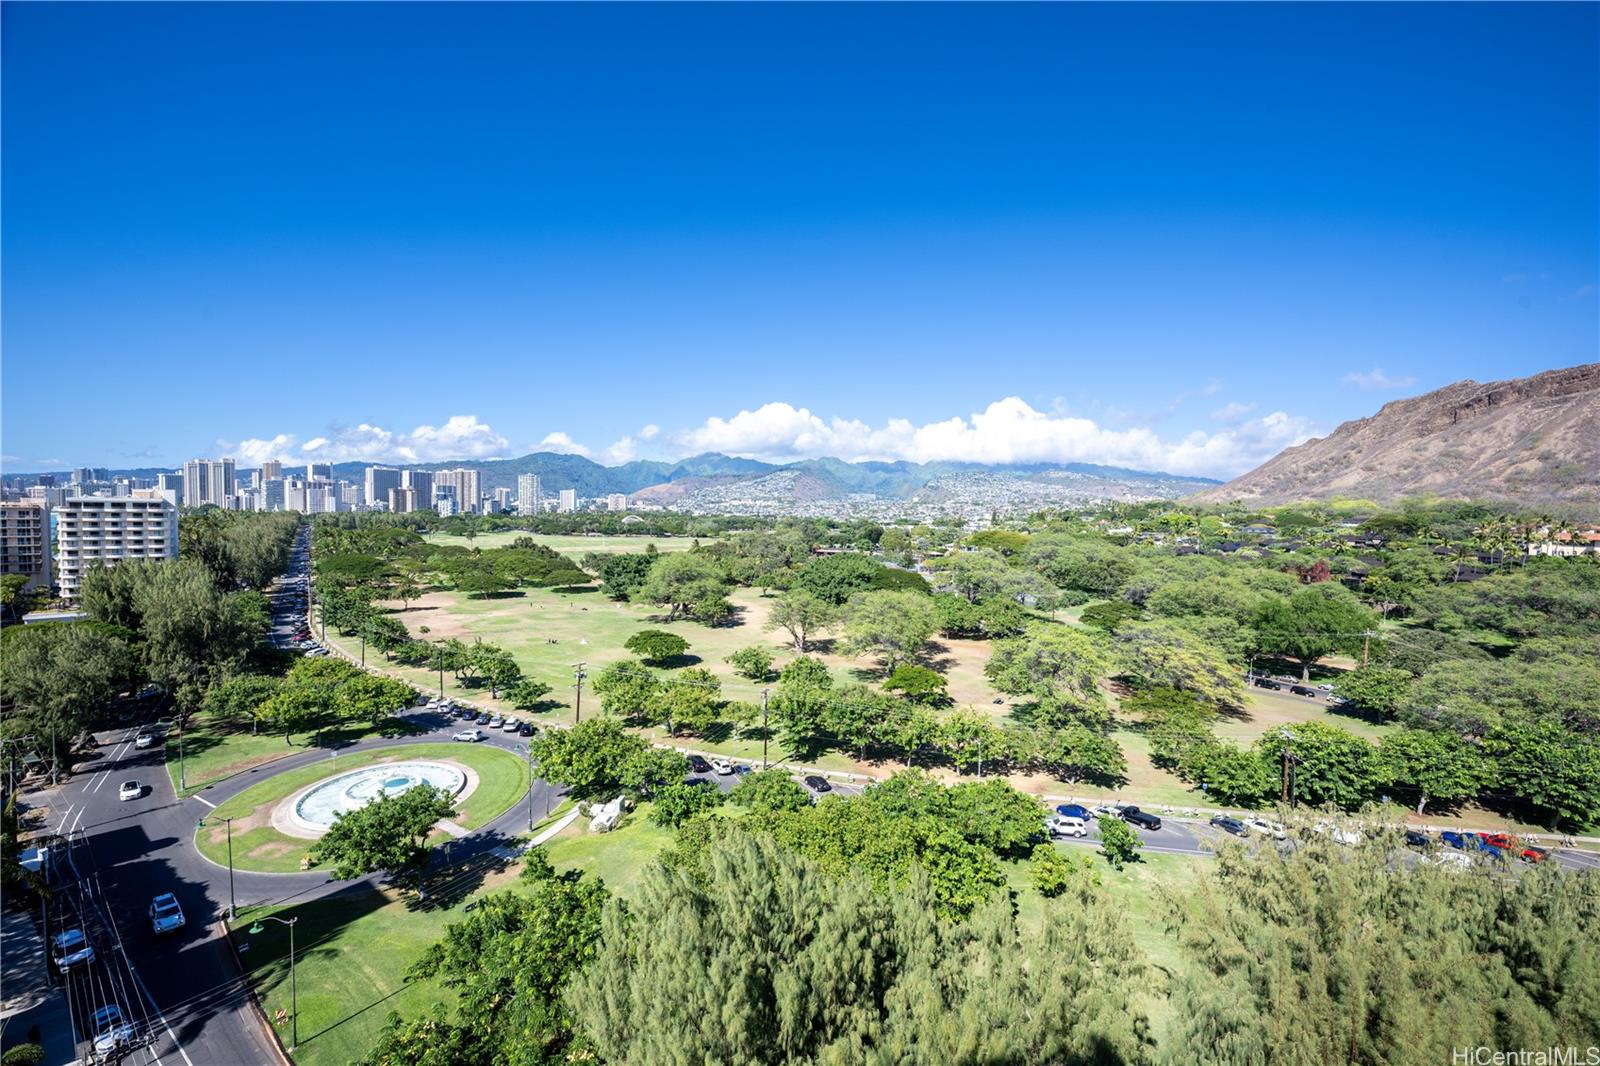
x=468, y=736
x=1267, y=828
x=144, y=740
x=1062, y=825
x=1113, y=809
x=130, y=790
x=722, y=767
x=1449, y=860
x=71, y=948
x=511, y=726
x=1349, y=837
x=165, y=914
x=111, y=1032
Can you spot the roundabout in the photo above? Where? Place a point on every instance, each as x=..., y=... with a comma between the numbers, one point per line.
x=276, y=822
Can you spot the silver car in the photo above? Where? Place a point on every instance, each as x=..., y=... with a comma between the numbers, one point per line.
x=71, y=948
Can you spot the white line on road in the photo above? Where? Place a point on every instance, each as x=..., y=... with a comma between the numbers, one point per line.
x=207, y=802
x=64, y=816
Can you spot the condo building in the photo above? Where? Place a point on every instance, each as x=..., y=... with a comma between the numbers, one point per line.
x=25, y=541
x=528, y=493
x=107, y=530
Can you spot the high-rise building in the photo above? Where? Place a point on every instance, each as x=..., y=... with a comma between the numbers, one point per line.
x=502, y=499
x=379, y=480
x=616, y=501
x=444, y=501
x=109, y=530
x=294, y=495
x=350, y=495
x=207, y=481
x=420, y=482
x=465, y=481
x=314, y=471
x=527, y=493
x=172, y=483
x=25, y=541
x=271, y=468
x=272, y=494
x=569, y=500
x=402, y=500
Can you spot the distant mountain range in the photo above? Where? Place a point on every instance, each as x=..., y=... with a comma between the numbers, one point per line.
x=1532, y=441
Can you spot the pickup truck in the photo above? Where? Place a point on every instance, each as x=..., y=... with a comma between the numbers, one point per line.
x=1134, y=816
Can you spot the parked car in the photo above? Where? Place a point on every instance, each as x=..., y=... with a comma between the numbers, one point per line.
x=1416, y=838
x=1534, y=854
x=1060, y=825
x=495, y=722
x=466, y=714
x=816, y=784
x=1464, y=841
x=1490, y=850
x=482, y=718
x=112, y=1033
x=722, y=767
x=165, y=914
x=1267, y=828
x=70, y=948
x=699, y=765
x=144, y=740
x=1113, y=809
x=130, y=790
x=511, y=726
x=1302, y=690
x=1448, y=859
x=743, y=768
x=1074, y=810
x=1267, y=682
x=468, y=736
x=524, y=729
x=1134, y=816
x=1229, y=825
x=1340, y=835
x=1499, y=840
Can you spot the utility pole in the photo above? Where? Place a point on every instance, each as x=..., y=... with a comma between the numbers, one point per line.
x=1366, y=641
x=578, y=675
x=54, y=762
x=182, y=781
x=232, y=909
x=530, y=784
x=763, y=729
x=1285, y=734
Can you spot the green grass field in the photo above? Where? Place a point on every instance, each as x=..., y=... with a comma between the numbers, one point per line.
x=502, y=780
x=573, y=545
x=214, y=750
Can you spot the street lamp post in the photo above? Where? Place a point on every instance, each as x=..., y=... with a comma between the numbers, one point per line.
x=294, y=988
x=232, y=910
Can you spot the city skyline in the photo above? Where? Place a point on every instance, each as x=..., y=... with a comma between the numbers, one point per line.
x=1105, y=246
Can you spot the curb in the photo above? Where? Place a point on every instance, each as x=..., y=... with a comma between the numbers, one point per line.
x=261, y=1011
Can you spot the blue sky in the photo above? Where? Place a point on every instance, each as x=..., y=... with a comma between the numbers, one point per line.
x=1163, y=236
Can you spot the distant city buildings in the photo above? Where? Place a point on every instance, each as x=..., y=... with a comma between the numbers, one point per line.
x=25, y=541
x=465, y=482
x=379, y=481
x=502, y=499
x=208, y=481
x=420, y=482
x=319, y=471
x=402, y=500
x=271, y=468
x=616, y=502
x=569, y=500
x=528, y=493
x=109, y=530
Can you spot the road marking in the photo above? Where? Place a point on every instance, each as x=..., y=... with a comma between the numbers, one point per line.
x=207, y=802
x=64, y=816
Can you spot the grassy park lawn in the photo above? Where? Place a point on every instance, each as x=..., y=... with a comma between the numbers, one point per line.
x=573, y=545
x=214, y=749
x=502, y=780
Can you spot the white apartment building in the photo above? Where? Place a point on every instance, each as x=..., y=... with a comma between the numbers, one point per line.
x=402, y=500
x=270, y=468
x=569, y=500
x=528, y=492
x=108, y=530
x=208, y=481
x=468, y=494
x=502, y=499
x=616, y=501
x=25, y=541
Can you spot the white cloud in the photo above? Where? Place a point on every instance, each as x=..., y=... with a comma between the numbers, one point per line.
x=1232, y=412
x=649, y=432
x=1375, y=380
x=461, y=437
x=1007, y=431
x=560, y=442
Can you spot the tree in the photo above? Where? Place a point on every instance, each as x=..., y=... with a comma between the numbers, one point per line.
x=389, y=834
x=405, y=589
x=1230, y=774
x=597, y=758
x=1376, y=688
x=1075, y=751
x=622, y=574
x=891, y=625
x=1553, y=769
x=1329, y=764
x=918, y=684
x=769, y=790
x=627, y=689
x=65, y=670
x=753, y=663
x=690, y=701
x=684, y=583
x=1315, y=621
x=386, y=633
x=1109, y=615
x=1118, y=843
x=1049, y=871
x=657, y=646
x=977, y=575
x=527, y=693
x=800, y=613
x=482, y=581
x=1054, y=665
x=239, y=698
x=677, y=803
x=1437, y=765
x=1166, y=655
x=834, y=579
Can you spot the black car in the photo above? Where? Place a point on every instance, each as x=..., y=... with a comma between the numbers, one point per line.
x=1415, y=838
x=524, y=730
x=1303, y=690
x=1229, y=825
x=817, y=784
x=483, y=718
x=699, y=765
x=1134, y=816
x=1267, y=682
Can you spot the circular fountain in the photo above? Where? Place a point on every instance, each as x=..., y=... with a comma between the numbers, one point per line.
x=317, y=806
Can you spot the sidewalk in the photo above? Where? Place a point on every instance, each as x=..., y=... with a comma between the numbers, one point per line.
x=30, y=1004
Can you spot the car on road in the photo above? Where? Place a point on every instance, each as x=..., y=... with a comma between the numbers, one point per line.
x=1267, y=682
x=1229, y=825
x=1134, y=816
x=1267, y=827
x=434, y=705
x=466, y=714
x=1416, y=838
x=1074, y=810
x=511, y=726
x=468, y=736
x=144, y=740
x=1302, y=690
x=165, y=914
x=722, y=767
x=1490, y=850
x=1464, y=841
x=699, y=765
x=130, y=790
x=1060, y=825
x=816, y=783
x=1534, y=854
x=1499, y=840
x=112, y=1033
x=70, y=948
